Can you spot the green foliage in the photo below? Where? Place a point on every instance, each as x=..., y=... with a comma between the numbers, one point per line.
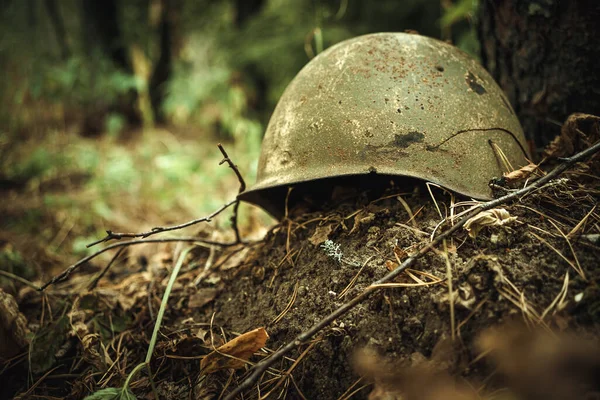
x=84, y=80
x=230, y=75
x=227, y=75
x=460, y=17
x=459, y=11
x=40, y=164
x=542, y=8
x=112, y=394
x=79, y=246
x=115, y=123
x=96, y=185
x=43, y=161
x=13, y=262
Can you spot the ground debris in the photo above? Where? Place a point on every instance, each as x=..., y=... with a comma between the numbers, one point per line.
x=495, y=217
x=498, y=273
x=234, y=353
x=287, y=283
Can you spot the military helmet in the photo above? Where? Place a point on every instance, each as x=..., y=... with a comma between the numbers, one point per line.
x=392, y=104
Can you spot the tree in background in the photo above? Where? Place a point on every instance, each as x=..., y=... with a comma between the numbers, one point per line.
x=544, y=54
x=103, y=40
x=221, y=64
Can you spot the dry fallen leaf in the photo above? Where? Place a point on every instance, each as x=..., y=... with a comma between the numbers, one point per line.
x=202, y=297
x=494, y=217
x=131, y=290
x=400, y=254
x=522, y=173
x=578, y=132
x=363, y=217
x=228, y=261
x=321, y=234
x=95, y=353
x=234, y=353
x=391, y=265
x=156, y=257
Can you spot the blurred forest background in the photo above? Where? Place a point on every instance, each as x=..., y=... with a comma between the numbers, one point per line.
x=111, y=110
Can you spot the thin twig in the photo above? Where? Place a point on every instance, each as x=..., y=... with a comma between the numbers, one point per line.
x=450, y=292
x=110, y=235
x=97, y=278
x=452, y=136
x=19, y=279
x=67, y=272
x=234, y=167
x=262, y=366
x=234, y=217
x=354, y=279
x=289, y=371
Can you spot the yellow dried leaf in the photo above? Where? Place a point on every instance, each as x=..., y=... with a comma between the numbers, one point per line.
x=321, y=234
x=494, y=217
x=521, y=173
x=234, y=353
x=400, y=254
x=391, y=265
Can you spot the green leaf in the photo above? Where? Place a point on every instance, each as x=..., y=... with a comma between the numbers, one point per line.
x=105, y=394
x=112, y=394
x=458, y=12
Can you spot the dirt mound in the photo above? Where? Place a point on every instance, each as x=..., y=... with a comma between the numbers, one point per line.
x=539, y=266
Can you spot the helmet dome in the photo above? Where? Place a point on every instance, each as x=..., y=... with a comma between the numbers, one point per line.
x=393, y=104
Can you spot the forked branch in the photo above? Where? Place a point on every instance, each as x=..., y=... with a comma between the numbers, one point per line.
x=110, y=235
x=234, y=217
x=67, y=272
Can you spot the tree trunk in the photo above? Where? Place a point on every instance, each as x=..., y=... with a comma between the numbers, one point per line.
x=245, y=9
x=102, y=33
x=544, y=54
x=59, y=28
x=168, y=32
x=102, y=28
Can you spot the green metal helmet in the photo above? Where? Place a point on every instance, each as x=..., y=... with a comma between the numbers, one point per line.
x=393, y=104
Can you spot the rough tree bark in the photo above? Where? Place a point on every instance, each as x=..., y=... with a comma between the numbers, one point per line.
x=544, y=54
